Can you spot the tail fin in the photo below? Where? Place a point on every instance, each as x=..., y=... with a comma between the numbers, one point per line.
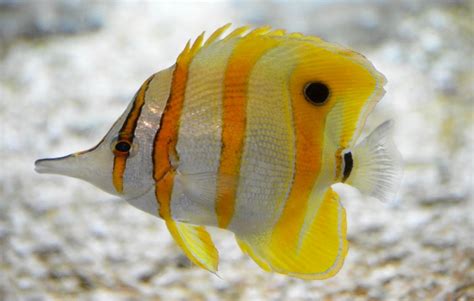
x=317, y=253
x=377, y=164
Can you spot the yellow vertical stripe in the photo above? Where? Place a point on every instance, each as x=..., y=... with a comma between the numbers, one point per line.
x=245, y=55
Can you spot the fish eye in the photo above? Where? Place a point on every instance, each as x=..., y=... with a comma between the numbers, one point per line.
x=316, y=93
x=122, y=146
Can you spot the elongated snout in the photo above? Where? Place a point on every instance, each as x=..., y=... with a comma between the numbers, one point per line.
x=61, y=165
x=93, y=165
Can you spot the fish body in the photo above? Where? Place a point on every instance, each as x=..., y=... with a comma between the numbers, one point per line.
x=248, y=133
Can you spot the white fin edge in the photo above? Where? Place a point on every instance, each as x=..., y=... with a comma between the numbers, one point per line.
x=377, y=165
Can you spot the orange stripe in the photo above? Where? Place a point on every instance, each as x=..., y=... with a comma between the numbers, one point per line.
x=351, y=85
x=309, y=123
x=164, y=189
x=309, y=141
x=308, y=164
x=166, y=138
x=245, y=55
x=126, y=133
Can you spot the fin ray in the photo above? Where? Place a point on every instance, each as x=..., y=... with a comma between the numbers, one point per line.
x=377, y=164
x=216, y=34
x=196, y=243
x=321, y=252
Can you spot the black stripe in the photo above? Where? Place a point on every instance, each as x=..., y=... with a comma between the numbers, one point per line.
x=131, y=135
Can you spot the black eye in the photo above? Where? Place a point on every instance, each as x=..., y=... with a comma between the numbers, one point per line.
x=316, y=93
x=122, y=146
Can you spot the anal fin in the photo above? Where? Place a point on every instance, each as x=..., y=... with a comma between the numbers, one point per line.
x=196, y=243
x=247, y=249
x=317, y=253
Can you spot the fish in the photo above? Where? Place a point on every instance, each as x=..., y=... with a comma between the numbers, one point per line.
x=248, y=132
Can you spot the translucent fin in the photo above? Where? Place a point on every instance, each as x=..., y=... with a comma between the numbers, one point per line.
x=196, y=244
x=377, y=166
x=318, y=252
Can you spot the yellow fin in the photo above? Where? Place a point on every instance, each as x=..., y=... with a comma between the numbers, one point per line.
x=260, y=31
x=237, y=32
x=197, y=44
x=277, y=33
x=216, y=34
x=318, y=253
x=295, y=35
x=196, y=244
x=244, y=32
x=249, y=251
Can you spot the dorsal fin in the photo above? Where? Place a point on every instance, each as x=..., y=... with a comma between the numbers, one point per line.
x=243, y=33
x=240, y=32
x=216, y=34
x=259, y=31
x=277, y=33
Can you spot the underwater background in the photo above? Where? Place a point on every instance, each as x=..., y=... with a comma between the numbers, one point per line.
x=68, y=69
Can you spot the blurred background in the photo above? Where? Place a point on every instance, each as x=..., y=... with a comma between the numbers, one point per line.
x=69, y=68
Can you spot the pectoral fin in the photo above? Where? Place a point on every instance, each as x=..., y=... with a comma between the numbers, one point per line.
x=377, y=165
x=317, y=253
x=196, y=244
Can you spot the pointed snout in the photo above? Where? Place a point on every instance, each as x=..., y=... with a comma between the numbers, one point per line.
x=94, y=166
x=66, y=165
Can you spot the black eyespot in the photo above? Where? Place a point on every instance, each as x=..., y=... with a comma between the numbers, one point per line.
x=348, y=165
x=123, y=146
x=316, y=93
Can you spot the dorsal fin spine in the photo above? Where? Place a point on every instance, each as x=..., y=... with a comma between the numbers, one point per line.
x=259, y=31
x=240, y=32
x=236, y=33
x=216, y=34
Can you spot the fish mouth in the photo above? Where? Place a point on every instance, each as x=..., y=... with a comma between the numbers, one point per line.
x=65, y=165
x=53, y=165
